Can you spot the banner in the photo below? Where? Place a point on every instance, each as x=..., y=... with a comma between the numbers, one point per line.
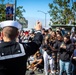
x=9, y=11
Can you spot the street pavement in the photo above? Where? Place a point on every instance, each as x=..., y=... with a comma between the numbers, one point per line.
x=36, y=73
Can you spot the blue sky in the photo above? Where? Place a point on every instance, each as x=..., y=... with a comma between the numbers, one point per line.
x=32, y=7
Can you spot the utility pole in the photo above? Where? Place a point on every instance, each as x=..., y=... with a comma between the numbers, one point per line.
x=15, y=3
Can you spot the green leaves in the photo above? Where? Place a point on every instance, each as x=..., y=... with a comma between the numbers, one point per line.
x=2, y=12
x=61, y=11
x=19, y=11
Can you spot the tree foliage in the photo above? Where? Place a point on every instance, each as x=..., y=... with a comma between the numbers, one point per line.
x=2, y=12
x=19, y=11
x=61, y=11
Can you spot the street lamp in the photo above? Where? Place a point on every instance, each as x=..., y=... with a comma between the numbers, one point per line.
x=45, y=15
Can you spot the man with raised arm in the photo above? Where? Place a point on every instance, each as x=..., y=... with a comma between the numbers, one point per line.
x=13, y=55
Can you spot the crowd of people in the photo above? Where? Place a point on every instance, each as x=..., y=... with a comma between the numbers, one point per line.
x=57, y=53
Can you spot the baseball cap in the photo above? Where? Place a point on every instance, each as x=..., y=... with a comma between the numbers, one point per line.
x=10, y=23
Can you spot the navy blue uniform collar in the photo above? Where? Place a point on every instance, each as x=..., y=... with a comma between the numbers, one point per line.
x=3, y=44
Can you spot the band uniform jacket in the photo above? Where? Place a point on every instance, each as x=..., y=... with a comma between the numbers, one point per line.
x=13, y=55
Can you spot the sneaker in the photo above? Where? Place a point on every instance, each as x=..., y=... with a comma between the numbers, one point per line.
x=40, y=71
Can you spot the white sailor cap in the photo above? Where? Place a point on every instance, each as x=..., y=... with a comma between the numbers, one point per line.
x=11, y=23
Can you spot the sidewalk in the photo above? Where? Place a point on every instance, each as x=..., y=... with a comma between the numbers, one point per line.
x=36, y=73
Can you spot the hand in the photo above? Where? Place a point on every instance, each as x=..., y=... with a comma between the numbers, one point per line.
x=74, y=58
x=64, y=47
x=35, y=65
x=38, y=26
